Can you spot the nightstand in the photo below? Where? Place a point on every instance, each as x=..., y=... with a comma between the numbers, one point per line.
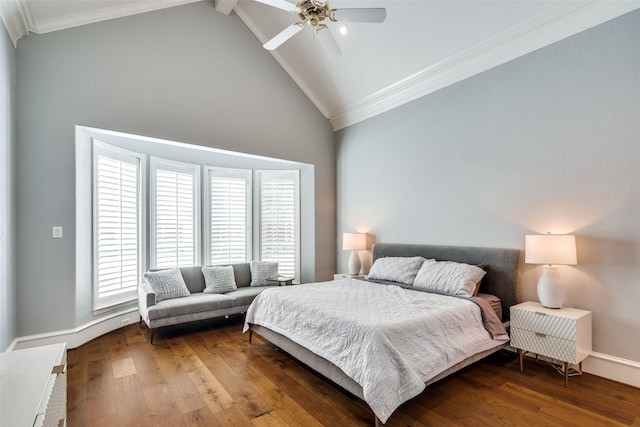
x=559, y=333
x=346, y=276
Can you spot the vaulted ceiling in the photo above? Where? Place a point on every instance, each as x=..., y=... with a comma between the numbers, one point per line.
x=421, y=47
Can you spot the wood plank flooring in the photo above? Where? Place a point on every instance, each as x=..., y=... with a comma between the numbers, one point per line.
x=207, y=374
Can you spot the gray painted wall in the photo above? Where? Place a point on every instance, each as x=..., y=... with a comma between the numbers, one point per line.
x=187, y=74
x=547, y=142
x=7, y=148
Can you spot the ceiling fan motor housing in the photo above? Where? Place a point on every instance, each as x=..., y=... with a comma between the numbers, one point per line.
x=313, y=12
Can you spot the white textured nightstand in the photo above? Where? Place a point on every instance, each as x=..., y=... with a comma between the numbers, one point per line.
x=559, y=333
x=346, y=276
x=33, y=386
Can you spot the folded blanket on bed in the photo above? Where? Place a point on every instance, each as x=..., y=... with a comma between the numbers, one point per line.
x=388, y=339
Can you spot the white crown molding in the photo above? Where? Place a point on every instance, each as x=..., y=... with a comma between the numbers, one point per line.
x=49, y=25
x=556, y=24
x=281, y=60
x=225, y=6
x=14, y=18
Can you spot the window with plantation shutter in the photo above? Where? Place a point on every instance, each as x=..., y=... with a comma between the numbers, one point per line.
x=118, y=226
x=280, y=220
x=175, y=209
x=228, y=221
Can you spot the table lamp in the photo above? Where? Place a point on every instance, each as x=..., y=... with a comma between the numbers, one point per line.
x=552, y=250
x=354, y=242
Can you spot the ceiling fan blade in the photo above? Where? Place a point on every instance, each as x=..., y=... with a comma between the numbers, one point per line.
x=376, y=15
x=281, y=4
x=283, y=36
x=328, y=43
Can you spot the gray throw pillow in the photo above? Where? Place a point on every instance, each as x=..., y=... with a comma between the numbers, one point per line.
x=219, y=280
x=167, y=284
x=262, y=272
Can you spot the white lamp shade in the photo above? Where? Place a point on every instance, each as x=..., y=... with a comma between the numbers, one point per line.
x=354, y=241
x=552, y=249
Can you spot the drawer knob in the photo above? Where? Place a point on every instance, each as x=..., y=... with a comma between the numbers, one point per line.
x=540, y=334
x=540, y=313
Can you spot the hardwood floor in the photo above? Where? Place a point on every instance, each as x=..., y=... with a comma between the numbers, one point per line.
x=208, y=374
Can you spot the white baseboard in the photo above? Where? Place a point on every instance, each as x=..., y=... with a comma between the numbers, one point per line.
x=613, y=368
x=80, y=335
x=610, y=367
x=603, y=365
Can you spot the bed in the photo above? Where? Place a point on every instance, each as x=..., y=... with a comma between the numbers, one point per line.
x=343, y=341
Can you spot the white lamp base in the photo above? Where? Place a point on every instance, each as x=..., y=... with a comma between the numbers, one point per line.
x=354, y=263
x=551, y=293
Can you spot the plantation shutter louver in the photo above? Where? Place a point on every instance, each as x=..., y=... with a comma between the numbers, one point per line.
x=229, y=204
x=175, y=214
x=279, y=235
x=117, y=225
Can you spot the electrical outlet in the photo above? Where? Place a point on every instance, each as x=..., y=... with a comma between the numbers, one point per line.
x=57, y=232
x=125, y=321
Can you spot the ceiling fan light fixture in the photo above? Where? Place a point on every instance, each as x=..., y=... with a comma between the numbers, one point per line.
x=313, y=13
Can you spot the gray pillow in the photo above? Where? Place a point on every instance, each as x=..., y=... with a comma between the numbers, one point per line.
x=449, y=277
x=219, y=280
x=167, y=284
x=396, y=269
x=262, y=271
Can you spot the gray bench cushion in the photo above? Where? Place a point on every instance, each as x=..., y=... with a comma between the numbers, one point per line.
x=194, y=303
x=244, y=296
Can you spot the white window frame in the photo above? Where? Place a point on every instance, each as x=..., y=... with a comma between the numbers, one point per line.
x=157, y=163
x=101, y=148
x=247, y=175
x=274, y=174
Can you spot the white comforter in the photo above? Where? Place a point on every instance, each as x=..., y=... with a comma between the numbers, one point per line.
x=388, y=339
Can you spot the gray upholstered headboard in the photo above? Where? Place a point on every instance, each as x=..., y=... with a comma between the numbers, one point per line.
x=501, y=265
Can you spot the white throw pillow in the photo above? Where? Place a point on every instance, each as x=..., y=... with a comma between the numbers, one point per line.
x=448, y=277
x=262, y=272
x=396, y=269
x=167, y=284
x=219, y=280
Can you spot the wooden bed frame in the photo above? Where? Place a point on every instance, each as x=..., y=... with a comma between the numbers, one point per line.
x=501, y=265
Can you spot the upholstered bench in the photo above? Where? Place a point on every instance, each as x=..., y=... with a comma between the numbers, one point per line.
x=198, y=301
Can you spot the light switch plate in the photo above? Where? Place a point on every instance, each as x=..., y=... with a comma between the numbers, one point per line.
x=57, y=232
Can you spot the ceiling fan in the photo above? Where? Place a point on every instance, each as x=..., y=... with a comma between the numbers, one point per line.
x=313, y=13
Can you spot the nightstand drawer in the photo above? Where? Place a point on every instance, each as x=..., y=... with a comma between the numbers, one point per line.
x=545, y=345
x=544, y=323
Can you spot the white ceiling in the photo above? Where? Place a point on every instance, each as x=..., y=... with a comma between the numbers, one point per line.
x=421, y=47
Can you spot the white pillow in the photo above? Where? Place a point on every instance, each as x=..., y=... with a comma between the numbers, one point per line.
x=396, y=269
x=262, y=272
x=167, y=284
x=448, y=277
x=219, y=280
